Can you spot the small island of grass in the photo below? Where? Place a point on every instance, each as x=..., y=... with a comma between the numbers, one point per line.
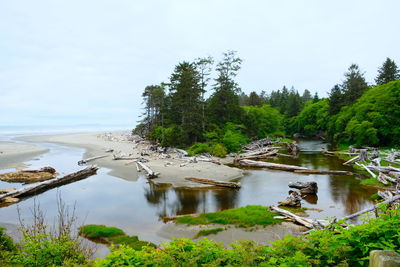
x=241, y=217
x=112, y=236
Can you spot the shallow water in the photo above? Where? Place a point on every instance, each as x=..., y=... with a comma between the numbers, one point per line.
x=136, y=206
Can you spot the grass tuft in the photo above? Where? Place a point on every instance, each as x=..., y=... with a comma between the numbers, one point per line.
x=242, y=217
x=213, y=231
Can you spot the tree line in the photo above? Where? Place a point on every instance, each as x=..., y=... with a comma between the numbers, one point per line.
x=177, y=113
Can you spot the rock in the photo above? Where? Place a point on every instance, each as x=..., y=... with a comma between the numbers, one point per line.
x=310, y=188
x=293, y=200
x=6, y=190
x=384, y=258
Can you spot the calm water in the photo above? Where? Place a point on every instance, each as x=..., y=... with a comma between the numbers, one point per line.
x=136, y=206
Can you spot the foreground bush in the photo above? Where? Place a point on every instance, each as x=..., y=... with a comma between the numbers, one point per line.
x=343, y=247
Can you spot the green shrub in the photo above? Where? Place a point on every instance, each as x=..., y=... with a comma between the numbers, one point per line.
x=198, y=148
x=218, y=150
x=130, y=241
x=328, y=247
x=233, y=138
x=93, y=231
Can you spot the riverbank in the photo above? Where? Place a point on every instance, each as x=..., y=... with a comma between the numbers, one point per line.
x=13, y=154
x=172, y=170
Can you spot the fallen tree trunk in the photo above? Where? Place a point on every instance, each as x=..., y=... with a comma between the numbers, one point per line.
x=84, y=161
x=312, y=171
x=40, y=187
x=150, y=173
x=351, y=160
x=214, y=182
x=269, y=165
x=259, y=156
x=371, y=209
x=115, y=157
x=301, y=220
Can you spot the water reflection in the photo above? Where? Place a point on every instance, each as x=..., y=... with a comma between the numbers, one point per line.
x=137, y=206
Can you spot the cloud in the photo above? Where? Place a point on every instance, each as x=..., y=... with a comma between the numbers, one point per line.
x=86, y=61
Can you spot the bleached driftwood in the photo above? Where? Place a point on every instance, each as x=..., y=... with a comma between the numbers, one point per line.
x=115, y=157
x=397, y=197
x=301, y=220
x=214, y=182
x=351, y=160
x=367, y=169
x=257, y=155
x=150, y=173
x=137, y=167
x=312, y=171
x=269, y=165
x=84, y=161
x=34, y=189
x=381, y=178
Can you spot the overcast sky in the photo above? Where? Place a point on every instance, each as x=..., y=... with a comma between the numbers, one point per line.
x=88, y=61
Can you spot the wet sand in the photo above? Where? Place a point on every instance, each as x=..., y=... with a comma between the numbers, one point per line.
x=13, y=154
x=170, y=169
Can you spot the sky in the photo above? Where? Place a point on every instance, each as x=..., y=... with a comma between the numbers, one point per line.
x=88, y=61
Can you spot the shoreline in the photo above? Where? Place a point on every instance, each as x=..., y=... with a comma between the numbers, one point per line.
x=170, y=169
x=13, y=154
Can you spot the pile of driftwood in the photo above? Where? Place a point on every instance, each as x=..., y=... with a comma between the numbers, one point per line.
x=392, y=198
x=36, y=188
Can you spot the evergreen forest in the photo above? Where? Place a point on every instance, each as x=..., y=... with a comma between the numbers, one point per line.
x=202, y=106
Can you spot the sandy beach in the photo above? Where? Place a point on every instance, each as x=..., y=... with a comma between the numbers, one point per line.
x=13, y=154
x=172, y=170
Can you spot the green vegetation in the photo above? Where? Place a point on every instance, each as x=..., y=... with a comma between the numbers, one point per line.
x=241, y=217
x=178, y=114
x=209, y=232
x=340, y=247
x=93, y=231
x=112, y=235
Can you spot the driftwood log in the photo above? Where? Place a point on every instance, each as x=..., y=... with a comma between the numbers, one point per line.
x=269, y=165
x=301, y=220
x=265, y=154
x=305, y=187
x=293, y=148
x=40, y=187
x=214, y=182
x=115, y=157
x=312, y=171
x=150, y=173
x=84, y=161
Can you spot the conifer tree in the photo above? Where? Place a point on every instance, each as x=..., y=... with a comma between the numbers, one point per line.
x=224, y=102
x=354, y=85
x=335, y=100
x=387, y=72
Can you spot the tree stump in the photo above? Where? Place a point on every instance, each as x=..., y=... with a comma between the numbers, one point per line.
x=310, y=188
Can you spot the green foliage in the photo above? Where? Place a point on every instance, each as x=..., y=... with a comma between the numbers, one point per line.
x=130, y=241
x=198, y=148
x=371, y=181
x=372, y=120
x=6, y=243
x=218, y=150
x=209, y=232
x=328, y=247
x=41, y=249
x=312, y=119
x=94, y=231
x=112, y=235
x=233, y=138
x=262, y=121
x=242, y=217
